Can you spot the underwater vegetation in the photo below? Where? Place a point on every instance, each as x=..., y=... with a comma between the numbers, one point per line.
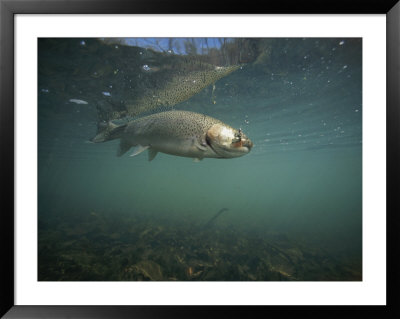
x=100, y=246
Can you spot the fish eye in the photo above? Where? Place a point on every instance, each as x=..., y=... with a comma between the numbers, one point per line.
x=238, y=136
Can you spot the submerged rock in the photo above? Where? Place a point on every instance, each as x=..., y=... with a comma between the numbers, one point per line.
x=147, y=270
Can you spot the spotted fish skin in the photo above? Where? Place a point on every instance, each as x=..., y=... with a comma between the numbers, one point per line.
x=180, y=87
x=180, y=133
x=173, y=132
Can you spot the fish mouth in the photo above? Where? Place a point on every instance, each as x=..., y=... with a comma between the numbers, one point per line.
x=248, y=144
x=244, y=146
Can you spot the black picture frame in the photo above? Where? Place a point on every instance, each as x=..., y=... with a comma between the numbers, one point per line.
x=8, y=10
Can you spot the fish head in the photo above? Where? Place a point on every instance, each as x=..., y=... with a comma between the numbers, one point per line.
x=228, y=142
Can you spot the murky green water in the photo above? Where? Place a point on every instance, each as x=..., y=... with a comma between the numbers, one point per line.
x=294, y=203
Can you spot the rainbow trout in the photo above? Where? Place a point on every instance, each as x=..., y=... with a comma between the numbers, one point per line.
x=181, y=84
x=180, y=133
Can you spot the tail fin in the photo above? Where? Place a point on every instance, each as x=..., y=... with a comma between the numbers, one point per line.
x=107, y=131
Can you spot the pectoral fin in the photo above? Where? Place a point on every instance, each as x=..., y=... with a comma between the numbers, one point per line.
x=152, y=154
x=196, y=160
x=139, y=149
x=201, y=145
